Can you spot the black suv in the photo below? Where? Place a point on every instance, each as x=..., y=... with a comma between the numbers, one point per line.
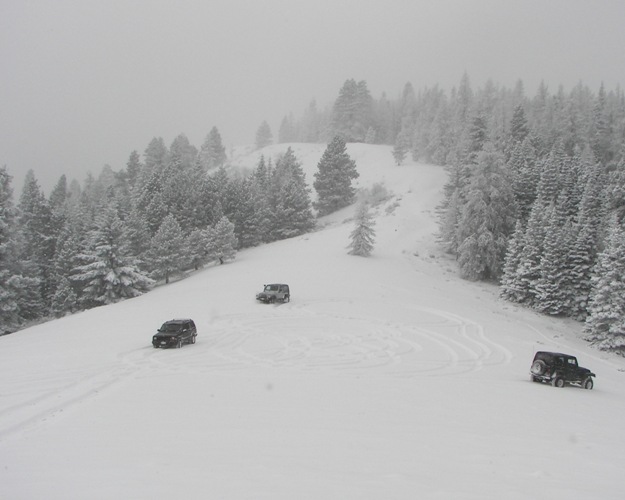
x=175, y=333
x=276, y=292
x=558, y=369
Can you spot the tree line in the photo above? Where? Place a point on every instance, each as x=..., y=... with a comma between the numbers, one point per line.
x=173, y=210
x=536, y=194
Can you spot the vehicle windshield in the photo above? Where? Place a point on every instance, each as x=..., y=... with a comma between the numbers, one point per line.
x=170, y=327
x=271, y=288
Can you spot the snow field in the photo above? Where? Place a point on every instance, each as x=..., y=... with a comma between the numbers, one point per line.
x=384, y=377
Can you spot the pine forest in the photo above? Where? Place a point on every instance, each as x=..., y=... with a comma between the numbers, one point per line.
x=535, y=202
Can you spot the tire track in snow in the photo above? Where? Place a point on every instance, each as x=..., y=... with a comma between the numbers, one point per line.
x=307, y=337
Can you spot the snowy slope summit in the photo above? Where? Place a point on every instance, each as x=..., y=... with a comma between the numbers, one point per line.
x=384, y=377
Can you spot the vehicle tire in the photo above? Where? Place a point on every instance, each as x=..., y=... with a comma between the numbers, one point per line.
x=558, y=382
x=588, y=383
x=538, y=367
x=193, y=339
x=287, y=298
x=534, y=379
x=179, y=345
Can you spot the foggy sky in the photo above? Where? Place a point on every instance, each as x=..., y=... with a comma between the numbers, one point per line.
x=86, y=82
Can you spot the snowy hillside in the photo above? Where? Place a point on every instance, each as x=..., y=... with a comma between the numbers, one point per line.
x=384, y=378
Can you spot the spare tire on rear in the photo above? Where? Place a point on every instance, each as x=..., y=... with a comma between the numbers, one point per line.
x=538, y=367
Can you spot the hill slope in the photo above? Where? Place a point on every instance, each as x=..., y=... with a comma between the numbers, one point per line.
x=384, y=377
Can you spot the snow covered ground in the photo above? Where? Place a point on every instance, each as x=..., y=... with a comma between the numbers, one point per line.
x=384, y=378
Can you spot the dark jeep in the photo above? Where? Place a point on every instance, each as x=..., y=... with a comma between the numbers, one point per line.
x=175, y=333
x=559, y=369
x=276, y=292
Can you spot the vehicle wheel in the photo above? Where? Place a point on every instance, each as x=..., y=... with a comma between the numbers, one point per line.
x=558, y=382
x=539, y=367
x=193, y=339
x=588, y=383
x=179, y=344
x=287, y=298
x=534, y=379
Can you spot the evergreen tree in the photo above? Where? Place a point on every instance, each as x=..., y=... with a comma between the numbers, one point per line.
x=182, y=153
x=133, y=169
x=510, y=288
x=333, y=180
x=363, y=235
x=605, y=324
x=222, y=242
x=287, y=131
x=488, y=219
x=197, y=244
x=311, y=129
x=440, y=138
x=352, y=110
x=36, y=243
x=584, y=249
x=212, y=153
x=523, y=166
x=552, y=287
x=149, y=201
x=65, y=299
x=249, y=215
x=261, y=194
x=370, y=138
x=401, y=147
x=108, y=276
x=167, y=254
x=478, y=136
x=289, y=200
x=9, y=311
x=550, y=184
x=156, y=155
x=136, y=237
x=528, y=269
x=615, y=189
x=263, y=136
x=519, y=129
x=450, y=222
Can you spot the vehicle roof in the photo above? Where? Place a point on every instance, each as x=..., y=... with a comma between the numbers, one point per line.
x=549, y=353
x=178, y=320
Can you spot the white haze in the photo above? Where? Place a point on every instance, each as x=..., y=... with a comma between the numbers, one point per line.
x=84, y=83
x=384, y=378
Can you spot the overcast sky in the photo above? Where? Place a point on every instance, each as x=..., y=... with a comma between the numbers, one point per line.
x=86, y=82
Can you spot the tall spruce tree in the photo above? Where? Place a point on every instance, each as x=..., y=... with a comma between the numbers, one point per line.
x=510, y=288
x=488, y=218
x=351, y=113
x=402, y=146
x=36, y=245
x=528, y=269
x=552, y=287
x=333, y=180
x=605, y=324
x=212, y=153
x=362, y=237
x=264, y=137
x=222, y=242
x=290, y=205
x=167, y=255
x=9, y=311
x=108, y=276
